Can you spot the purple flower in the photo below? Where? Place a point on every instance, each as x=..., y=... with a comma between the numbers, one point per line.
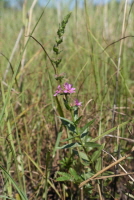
x=59, y=90
x=68, y=88
x=77, y=103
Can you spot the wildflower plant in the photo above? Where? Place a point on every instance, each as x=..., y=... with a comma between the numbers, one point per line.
x=78, y=141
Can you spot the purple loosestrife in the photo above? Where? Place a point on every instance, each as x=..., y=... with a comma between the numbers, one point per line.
x=77, y=103
x=68, y=89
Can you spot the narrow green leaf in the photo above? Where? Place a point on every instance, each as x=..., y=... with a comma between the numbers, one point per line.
x=70, y=138
x=97, y=153
x=78, y=120
x=70, y=125
x=84, y=134
x=86, y=126
x=98, y=164
x=91, y=144
x=81, y=154
x=64, y=177
x=59, y=107
x=66, y=121
x=66, y=146
x=57, y=143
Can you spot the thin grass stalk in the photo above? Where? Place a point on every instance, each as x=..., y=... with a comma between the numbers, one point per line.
x=58, y=5
x=47, y=172
x=13, y=52
x=81, y=194
x=99, y=191
x=27, y=32
x=97, y=78
x=89, y=40
x=106, y=25
x=21, y=183
x=119, y=63
x=100, y=183
x=76, y=20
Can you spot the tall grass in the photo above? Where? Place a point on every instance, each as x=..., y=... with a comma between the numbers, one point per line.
x=30, y=128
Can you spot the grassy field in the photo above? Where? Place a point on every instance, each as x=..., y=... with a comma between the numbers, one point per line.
x=52, y=147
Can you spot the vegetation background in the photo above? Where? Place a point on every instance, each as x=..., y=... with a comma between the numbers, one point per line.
x=104, y=77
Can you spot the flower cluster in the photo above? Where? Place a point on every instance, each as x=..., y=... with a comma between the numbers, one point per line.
x=68, y=89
